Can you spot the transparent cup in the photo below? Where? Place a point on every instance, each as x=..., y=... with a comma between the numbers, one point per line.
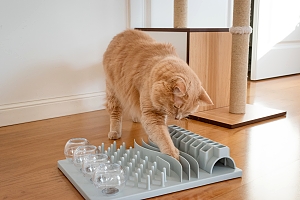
x=91, y=162
x=80, y=154
x=72, y=145
x=109, y=178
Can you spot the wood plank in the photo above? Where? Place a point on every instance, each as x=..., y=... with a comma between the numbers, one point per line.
x=185, y=29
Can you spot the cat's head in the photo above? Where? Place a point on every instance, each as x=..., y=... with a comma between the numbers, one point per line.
x=179, y=97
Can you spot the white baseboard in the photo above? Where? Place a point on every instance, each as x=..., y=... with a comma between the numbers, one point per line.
x=49, y=108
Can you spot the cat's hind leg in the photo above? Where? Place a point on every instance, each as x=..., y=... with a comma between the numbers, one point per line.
x=114, y=109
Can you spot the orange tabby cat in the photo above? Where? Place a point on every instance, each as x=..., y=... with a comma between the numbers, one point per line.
x=149, y=81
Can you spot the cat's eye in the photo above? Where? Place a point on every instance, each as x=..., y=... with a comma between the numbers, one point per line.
x=176, y=107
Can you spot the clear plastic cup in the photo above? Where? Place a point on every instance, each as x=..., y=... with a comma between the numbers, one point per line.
x=109, y=178
x=91, y=162
x=72, y=145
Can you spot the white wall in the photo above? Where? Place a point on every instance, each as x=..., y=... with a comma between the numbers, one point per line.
x=210, y=13
x=201, y=13
x=51, y=51
x=50, y=56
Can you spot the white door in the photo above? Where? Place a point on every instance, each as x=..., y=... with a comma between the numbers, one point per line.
x=276, y=38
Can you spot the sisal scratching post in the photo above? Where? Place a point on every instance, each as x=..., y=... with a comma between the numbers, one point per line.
x=239, y=58
x=180, y=13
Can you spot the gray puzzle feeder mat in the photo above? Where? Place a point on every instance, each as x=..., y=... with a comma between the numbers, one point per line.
x=151, y=173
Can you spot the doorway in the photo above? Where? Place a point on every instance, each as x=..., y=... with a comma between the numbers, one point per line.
x=275, y=41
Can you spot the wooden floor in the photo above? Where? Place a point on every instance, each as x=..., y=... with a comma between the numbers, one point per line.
x=267, y=152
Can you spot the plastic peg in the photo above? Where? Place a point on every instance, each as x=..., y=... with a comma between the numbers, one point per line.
x=145, y=166
x=102, y=147
x=138, y=156
x=146, y=159
x=115, y=146
x=148, y=183
x=108, y=152
x=125, y=157
x=162, y=179
x=136, y=163
x=112, y=159
x=165, y=174
x=142, y=169
x=136, y=179
x=124, y=146
x=127, y=172
x=122, y=162
x=131, y=152
x=121, y=150
x=155, y=167
x=128, y=155
x=151, y=176
x=118, y=154
x=133, y=164
x=153, y=171
x=111, y=149
x=130, y=168
x=139, y=174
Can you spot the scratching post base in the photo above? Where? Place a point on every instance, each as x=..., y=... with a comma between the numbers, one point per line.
x=222, y=117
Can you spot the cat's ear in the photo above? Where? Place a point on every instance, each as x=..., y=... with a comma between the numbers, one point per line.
x=204, y=97
x=178, y=102
x=179, y=88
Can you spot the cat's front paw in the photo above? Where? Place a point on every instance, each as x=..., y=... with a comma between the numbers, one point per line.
x=136, y=119
x=114, y=135
x=174, y=152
